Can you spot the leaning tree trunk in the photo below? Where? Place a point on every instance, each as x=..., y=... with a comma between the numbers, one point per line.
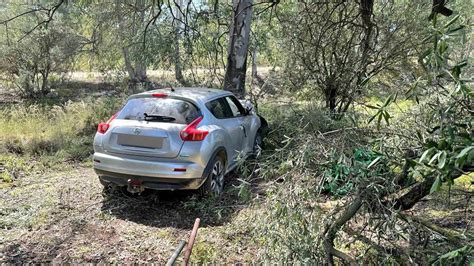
x=239, y=38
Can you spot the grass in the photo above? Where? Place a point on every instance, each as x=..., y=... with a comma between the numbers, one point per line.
x=51, y=206
x=64, y=131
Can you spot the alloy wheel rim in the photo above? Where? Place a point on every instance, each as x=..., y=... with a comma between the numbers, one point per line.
x=217, y=177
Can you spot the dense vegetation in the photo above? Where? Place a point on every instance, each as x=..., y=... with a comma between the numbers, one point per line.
x=370, y=103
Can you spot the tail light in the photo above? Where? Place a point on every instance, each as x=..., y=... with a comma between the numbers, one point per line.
x=103, y=127
x=159, y=95
x=190, y=133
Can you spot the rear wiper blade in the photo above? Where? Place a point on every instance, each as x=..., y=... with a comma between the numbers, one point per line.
x=163, y=118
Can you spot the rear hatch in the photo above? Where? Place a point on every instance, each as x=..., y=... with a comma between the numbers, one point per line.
x=150, y=127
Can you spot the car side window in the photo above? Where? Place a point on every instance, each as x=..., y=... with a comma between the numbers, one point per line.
x=235, y=106
x=218, y=108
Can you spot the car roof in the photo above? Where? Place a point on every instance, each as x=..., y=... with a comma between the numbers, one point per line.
x=198, y=94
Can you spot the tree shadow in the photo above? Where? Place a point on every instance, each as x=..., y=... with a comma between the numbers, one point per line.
x=76, y=90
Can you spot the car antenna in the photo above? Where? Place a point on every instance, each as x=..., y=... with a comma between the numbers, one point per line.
x=172, y=89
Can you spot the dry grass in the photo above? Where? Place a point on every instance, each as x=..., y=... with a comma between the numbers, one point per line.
x=63, y=217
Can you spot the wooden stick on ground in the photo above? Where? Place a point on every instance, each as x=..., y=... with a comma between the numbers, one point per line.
x=189, y=248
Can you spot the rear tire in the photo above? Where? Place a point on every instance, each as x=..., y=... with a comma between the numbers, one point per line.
x=214, y=183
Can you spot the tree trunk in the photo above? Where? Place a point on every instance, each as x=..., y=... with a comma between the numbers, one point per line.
x=331, y=95
x=239, y=38
x=422, y=189
x=128, y=63
x=366, y=8
x=178, y=71
x=44, y=83
x=332, y=229
x=136, y=67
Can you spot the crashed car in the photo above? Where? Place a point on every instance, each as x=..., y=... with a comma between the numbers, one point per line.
x=176, y=139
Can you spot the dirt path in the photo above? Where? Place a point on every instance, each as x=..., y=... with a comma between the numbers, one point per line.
x=63, y=217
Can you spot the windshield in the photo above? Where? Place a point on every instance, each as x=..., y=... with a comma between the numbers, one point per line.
x=167, y=110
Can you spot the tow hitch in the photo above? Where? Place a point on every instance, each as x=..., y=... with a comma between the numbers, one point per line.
x=135, y=186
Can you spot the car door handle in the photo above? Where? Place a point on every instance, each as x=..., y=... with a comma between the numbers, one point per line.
x=243, y=129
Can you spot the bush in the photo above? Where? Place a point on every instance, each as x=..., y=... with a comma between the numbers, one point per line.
x=302, y=140
x=65, y=131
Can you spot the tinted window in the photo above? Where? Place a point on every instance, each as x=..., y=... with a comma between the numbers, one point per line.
x=218, y=108
x=183, y=112
x=235, y=106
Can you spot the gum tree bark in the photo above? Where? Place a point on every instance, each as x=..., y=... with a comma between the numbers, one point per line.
x=178, y=69
x=136, y=67
x=239, y=38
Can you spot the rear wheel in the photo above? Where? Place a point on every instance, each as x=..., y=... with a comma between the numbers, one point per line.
x=214, y=183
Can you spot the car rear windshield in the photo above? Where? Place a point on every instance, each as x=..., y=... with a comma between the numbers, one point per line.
x=167, y=110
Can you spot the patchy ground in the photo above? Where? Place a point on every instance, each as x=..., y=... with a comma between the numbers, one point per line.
x=64, y=217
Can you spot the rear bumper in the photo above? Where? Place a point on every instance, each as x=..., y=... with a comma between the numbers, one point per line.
x=164, y=168
x=156, y=183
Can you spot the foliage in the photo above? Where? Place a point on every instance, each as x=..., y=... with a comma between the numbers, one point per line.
x=326, y=58
x=459, y=256
x=342, y=176
x=29, y=60
x=335, y=52
x=448, y=142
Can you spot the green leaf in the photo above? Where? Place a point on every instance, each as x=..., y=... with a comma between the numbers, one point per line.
x=386, y=116
x=372, y=107
x=372, y=118
x=374, y=162
x=436, y=185
x=379, y=120
x=365, y=81
x=461, y=64
x=413, y=87
x=427, y=38
x=465, y=151
x=389, y=100
x=419, y=135
x=452, y=21
x=443, y=46
x=466, y=90
x=439, y=60
x=426, y=153
x=442, y=160
x=435, y=157
x=454, y=31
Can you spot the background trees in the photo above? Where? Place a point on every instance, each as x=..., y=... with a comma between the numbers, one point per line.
x=371, y=103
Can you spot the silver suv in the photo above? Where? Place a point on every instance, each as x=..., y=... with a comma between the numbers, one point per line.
x=183, y=138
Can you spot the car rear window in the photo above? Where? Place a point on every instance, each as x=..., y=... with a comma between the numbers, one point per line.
x=182, y=111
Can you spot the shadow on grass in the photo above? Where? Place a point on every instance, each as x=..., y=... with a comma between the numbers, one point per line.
x=177, y=209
